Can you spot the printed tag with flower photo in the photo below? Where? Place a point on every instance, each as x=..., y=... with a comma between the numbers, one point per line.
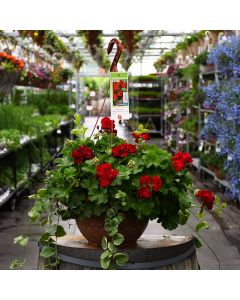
x=119, y=95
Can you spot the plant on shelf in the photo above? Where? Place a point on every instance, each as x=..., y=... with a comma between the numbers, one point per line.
x=190, y=124
x=224, y=121
x=112, y=182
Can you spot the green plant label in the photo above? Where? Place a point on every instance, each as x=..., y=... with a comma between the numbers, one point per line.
x=119, y=95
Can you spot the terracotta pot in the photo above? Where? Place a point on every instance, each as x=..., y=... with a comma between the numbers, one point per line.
x=93, y=229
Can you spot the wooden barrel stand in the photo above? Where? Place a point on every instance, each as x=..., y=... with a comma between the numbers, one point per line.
x=151, y=252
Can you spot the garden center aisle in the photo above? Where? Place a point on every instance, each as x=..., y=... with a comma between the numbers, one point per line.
x=222, y=231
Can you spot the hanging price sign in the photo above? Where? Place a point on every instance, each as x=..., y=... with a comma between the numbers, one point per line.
x=119, y=95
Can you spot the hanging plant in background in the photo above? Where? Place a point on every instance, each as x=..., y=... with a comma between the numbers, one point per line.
x=130, y=40
x=37, y=36
x=93, y=41
x=224, y=123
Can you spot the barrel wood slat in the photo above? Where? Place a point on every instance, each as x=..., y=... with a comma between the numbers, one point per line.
x=158, y=252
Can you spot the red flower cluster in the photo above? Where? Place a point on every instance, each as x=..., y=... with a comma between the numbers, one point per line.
x=117, y=89
x=108, y=125
x=148, y=185
x=180, y=159
x=18, y=62
x=207, y=198
x=81, y=154
x=106, y=174
x=123, y=150
x=143, y=136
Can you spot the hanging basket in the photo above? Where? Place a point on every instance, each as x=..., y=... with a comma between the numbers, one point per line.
x=7, y=81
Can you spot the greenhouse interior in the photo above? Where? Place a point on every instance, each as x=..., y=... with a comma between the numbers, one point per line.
x=119, y=150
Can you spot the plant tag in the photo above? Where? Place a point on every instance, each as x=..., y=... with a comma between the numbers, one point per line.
x=119, y=95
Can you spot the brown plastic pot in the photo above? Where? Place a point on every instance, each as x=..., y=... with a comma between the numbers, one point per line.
x=93, y=229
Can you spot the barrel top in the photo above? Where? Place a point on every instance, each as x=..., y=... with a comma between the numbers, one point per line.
x=145, y=242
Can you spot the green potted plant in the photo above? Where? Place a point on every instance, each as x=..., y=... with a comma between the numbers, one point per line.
x=113, y=188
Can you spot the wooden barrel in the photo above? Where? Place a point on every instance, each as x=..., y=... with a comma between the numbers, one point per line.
x=151, y=252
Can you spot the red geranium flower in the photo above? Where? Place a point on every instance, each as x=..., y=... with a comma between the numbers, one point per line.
x=107, y=123
x=81, y=154
x=105, y=174
x=145, y=180
x=145, y=192
x=115, y=97
x=149, y=184
x=207, y=198
x=145, y=136
x=156, y=183
x=180, y=159
x=123, y=150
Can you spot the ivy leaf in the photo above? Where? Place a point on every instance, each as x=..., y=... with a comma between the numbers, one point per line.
x=47, y=251
x=44, y=222
x=112, y=248
x=200, y=215
x=104, y=243
x=202, y=225
x=21, y=240
x=121, y=259
x=197, y=242
x=110, y=213
x=60, y=231
x=118, y=239
x=17, y=264
x=106, y=255
x=44, y=237
x=105, y=263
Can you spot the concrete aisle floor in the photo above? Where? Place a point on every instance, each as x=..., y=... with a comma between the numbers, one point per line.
x=220, y=249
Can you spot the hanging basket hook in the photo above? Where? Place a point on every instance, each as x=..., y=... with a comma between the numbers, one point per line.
x=113, y=67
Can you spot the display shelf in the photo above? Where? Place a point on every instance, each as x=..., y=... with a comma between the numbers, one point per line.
x=34, y=168
x=207, y=110
x=196, y=162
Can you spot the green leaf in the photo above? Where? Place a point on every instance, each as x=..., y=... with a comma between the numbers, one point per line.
x=121, y=259
x=110, y=213
x=200, y=215
x=111, y=247
x=118, y=239
x=197, y=242
x=202, y=225
x=44, y=237
x=120, y=195
x=21, y=240
x=106, y=254
x=60, y=231
x=217, y=200
x=47, y=251
x=44, y=222
x=224, y=205
x=105, y=263
x=42, y=193
x=104, y=243
x=17, y=264
x=33, y=215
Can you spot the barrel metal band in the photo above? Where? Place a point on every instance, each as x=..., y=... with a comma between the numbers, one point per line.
x=129, y=266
